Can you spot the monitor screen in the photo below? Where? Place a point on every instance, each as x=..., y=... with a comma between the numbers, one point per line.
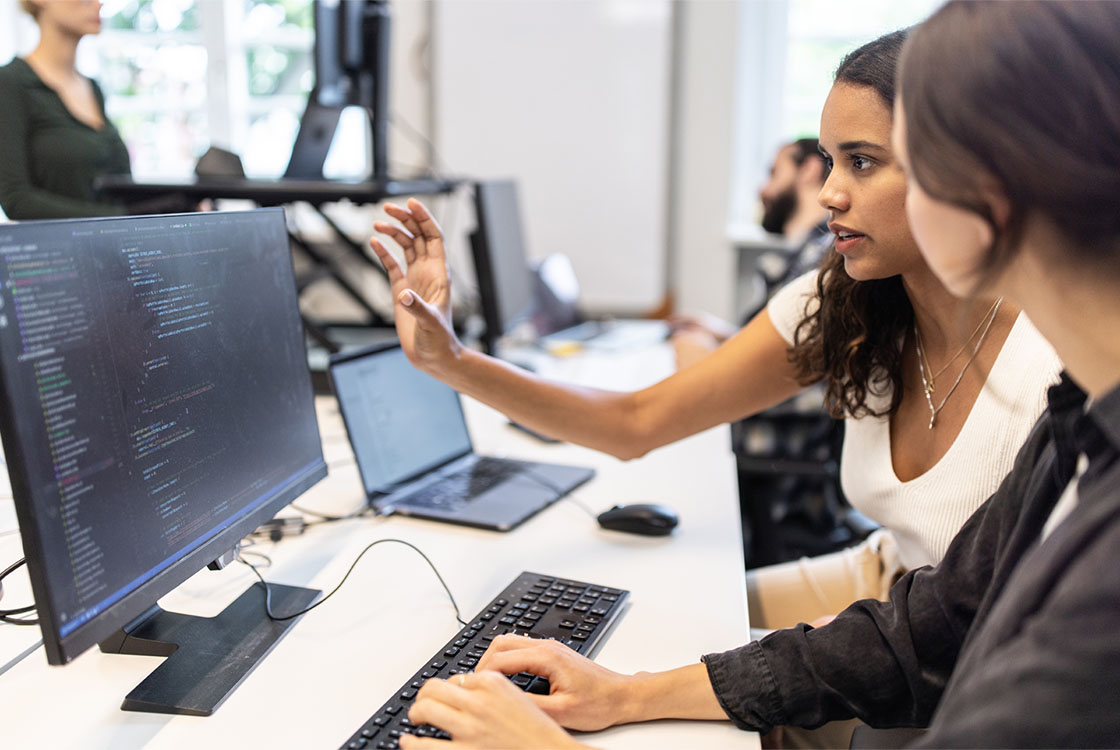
x=402, y=422
x=505, y=282
x=157, y=404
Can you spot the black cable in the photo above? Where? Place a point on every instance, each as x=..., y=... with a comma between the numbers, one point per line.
x=371, y=545
x=570, y=496
x=364, y=510
x=6, y=614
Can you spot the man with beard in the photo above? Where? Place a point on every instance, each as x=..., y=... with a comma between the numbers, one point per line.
x=789, y=208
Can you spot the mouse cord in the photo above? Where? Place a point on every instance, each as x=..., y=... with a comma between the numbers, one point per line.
x=569, y=496
x=371, y=545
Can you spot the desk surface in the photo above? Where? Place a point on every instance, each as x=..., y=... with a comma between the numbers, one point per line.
x=342, y=660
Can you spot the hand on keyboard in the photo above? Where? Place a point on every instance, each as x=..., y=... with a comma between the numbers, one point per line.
x=583, y=695
x=569, y=615
x=483, y=709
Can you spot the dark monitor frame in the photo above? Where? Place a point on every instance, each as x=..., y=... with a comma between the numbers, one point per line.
x=351, y=69
x=498, y=319
x=134, y=623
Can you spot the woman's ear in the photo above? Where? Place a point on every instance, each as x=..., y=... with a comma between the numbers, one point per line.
x=999, y=205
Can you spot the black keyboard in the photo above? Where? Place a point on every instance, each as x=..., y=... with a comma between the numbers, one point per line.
x=457, y=489
x=574, y=613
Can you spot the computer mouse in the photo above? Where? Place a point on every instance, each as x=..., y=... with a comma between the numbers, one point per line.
x=640, y=518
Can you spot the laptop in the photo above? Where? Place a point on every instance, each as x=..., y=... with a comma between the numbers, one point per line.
x=415, y=455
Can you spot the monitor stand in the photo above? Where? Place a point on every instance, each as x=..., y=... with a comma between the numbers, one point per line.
x=207, y=657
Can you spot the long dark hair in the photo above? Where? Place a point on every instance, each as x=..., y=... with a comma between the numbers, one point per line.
x=850, y=335
x=1030, y=97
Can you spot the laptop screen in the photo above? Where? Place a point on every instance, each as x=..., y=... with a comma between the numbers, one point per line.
x=401, y=421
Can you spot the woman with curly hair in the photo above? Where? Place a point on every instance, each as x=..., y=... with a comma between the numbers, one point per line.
x=938, y=394
x=1012, y=156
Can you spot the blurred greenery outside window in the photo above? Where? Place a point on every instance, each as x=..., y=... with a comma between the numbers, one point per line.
x=153, y=58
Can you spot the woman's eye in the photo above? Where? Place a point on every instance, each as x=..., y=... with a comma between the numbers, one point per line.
x=861, y=163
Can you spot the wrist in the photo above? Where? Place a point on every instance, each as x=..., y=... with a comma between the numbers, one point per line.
x=640, y=699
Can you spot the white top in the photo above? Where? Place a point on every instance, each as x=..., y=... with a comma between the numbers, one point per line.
x=925, y=513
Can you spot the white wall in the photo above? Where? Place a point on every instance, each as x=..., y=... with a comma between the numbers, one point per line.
x=701, y=261
x=571, y=98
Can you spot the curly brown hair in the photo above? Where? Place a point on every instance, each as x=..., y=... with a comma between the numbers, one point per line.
x=851, y=334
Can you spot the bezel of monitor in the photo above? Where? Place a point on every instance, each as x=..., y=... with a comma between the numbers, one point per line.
x=62, y=649
x=499, y=321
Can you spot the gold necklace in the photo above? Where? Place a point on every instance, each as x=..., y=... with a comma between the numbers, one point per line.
x=933, y=378
x=927, y=385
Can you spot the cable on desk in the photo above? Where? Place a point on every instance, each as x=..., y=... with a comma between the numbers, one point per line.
x=569, y=496
x=276, y=529
x=371, y=545
x=6, y=614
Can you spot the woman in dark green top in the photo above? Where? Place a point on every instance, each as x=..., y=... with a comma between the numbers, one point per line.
x=54, y=135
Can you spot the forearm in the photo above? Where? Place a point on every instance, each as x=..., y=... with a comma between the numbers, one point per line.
x=608, y=421
x=682, y=693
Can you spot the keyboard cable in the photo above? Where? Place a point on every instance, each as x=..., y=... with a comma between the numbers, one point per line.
x=371, y=545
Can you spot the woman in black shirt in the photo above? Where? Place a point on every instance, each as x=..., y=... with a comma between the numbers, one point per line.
x=54, y=135
x=1009, y=127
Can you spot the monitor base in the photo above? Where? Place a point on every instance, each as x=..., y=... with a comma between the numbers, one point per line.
x=207, y=657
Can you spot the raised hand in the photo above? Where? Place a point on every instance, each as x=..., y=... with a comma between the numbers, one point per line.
x=483, y=710
x=421, y=290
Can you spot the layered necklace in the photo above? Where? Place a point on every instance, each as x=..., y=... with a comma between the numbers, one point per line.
x=929, y=378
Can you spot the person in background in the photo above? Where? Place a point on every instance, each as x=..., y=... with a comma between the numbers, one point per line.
x=1012, y=156
x=789, y=208
x=54, y=135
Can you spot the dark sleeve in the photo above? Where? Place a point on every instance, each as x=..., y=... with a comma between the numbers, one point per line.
x=1055, y=680
x=886, y=663
x=20, y=198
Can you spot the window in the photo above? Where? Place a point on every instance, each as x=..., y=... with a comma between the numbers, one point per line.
x=180, y=75
x=789, y=50
x=821, y=32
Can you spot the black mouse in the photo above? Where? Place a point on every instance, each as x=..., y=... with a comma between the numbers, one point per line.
x=641, y=518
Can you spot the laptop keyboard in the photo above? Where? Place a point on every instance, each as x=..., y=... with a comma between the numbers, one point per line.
x=457, y=489
x=574, y=613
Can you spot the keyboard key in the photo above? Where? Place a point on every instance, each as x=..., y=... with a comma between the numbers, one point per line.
x=392, y=710
x=407, y=695
x=567, y=624
x=539, y=686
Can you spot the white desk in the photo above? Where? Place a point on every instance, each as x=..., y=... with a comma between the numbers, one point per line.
x=340, y=661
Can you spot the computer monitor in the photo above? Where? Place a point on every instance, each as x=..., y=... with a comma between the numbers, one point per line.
x=351, y=69
x=155, y=407
x=506, y=284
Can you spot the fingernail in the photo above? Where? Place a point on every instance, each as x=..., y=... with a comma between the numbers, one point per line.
x=407, y=297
